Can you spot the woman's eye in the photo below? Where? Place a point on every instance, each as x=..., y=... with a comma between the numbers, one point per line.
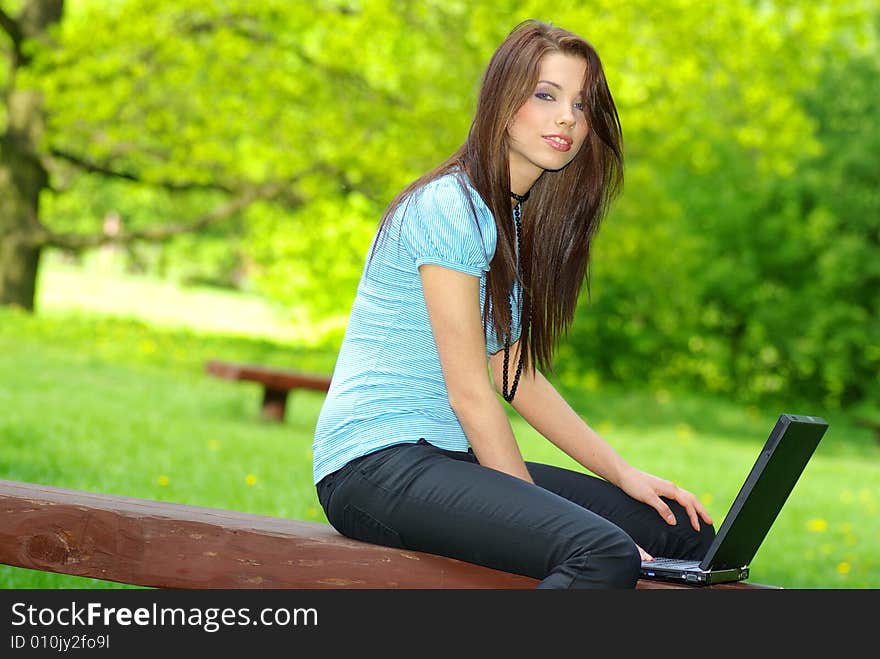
x=547, y=96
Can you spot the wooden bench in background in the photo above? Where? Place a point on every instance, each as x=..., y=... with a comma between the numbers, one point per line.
x=276, y=383
x=169, y=545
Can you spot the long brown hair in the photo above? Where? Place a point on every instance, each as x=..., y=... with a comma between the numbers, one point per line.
x=564, y=208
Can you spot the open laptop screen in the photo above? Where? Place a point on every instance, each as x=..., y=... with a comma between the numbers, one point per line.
x=771, y=480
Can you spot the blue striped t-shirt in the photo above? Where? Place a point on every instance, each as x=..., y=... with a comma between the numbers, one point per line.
x=387, y=386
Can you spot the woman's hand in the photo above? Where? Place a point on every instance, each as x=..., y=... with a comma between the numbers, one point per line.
x=648, y=489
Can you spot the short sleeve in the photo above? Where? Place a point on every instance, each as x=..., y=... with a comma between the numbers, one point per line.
x=439, y=228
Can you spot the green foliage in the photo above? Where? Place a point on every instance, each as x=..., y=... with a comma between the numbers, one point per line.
x=751, y=141
x=735, y=267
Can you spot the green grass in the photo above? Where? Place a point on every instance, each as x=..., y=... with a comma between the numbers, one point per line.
x=94, y=402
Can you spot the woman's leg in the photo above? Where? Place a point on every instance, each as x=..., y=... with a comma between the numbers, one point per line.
x=642, y=522
x=423, y=498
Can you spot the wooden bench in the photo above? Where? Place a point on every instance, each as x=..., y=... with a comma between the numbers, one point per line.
x=169, y=545
x=276, y=382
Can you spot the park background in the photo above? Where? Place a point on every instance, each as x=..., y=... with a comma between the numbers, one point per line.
x=192, y=179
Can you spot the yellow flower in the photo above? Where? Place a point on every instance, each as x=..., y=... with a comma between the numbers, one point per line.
x=707, y=499
x=163, y=480
x=250, y=479
x=817, y=525
x=214, y=445
x=843, y=567
x=147, y=346
x=312, y=512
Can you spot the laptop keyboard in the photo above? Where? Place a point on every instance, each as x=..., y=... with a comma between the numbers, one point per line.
x=672, y=562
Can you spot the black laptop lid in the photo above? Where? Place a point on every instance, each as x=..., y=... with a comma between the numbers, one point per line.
x=777, y=469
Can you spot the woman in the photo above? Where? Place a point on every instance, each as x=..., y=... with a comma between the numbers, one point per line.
x=471, y=280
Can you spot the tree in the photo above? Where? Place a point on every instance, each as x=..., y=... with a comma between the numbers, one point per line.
x=708, y=273
x=296, y=123
x=27, y=158
x=22, y=172
x=209, y=107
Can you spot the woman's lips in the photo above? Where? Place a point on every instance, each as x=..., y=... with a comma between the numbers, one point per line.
x=558, y=142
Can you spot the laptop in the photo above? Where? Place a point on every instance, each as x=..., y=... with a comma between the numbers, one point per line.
x=777, y=469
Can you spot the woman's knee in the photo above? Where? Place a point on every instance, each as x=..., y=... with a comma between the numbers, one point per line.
x=701, y=540
x=684, y=541
x=618, y=561
x=611, y=560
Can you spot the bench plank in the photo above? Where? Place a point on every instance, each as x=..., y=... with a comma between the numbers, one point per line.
x=169, y=545
x=276, y=382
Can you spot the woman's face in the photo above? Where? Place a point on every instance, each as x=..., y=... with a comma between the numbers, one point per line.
x=549, y=128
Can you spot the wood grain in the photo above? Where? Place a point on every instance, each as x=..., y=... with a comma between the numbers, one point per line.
x=170, y=545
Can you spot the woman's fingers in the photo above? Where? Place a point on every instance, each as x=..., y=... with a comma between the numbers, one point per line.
x=689, y=502
x=664, y=510
x=670, y=491
x=645, y=555
x=694, y=508
x=704, y=513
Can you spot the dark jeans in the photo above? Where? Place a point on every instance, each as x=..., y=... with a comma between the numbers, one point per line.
x=570, y=529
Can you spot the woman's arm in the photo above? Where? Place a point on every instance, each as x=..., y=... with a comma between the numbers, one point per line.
x=538, y=402
x=453, y=302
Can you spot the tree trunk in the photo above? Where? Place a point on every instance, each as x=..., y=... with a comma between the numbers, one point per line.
x=19, y=263
x=22, y=177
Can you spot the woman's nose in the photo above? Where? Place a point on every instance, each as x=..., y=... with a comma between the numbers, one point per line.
x=566, y=117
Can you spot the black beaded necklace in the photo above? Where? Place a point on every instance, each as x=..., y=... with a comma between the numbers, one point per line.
x=517, y=218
